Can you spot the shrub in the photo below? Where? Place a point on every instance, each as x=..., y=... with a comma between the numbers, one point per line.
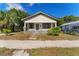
x=54, y=31
x=6, y=31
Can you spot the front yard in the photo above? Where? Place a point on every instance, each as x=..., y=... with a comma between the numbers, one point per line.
x=16, y=36
x=62, y=36
x=26, y=36
x=6, y=52
x=54, y=52
x=43, y=51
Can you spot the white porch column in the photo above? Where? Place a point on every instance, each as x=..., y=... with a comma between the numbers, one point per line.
x=24, y=27
x=27, y=26
x=55, y=24
x=51, y=25
x=35, y=26
x=40, y=26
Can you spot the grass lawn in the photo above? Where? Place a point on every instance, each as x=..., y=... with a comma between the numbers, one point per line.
x=62, y=36
x=26, y=36
x=54, y=52
x=6, y=52
x=16, y=36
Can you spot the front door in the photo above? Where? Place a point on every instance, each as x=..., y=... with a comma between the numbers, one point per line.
x=37, y=26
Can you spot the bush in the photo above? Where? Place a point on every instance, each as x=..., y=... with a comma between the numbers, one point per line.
x=6, y=31
x=54, y=31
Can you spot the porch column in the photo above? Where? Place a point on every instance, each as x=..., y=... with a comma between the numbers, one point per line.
x=51, y=25
x=55, y=24
x=24, y=27
x=35, y=26
x=27, y=26
x=40, y=26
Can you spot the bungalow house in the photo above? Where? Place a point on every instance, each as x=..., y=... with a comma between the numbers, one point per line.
x=71, y=25
x=39, y=22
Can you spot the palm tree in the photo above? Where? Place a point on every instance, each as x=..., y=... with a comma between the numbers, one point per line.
x=14, y=17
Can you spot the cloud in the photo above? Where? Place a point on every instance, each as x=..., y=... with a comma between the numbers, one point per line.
x=14, y=5
x=31, y=4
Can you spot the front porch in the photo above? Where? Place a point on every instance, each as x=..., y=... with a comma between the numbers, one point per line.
x=38, y=27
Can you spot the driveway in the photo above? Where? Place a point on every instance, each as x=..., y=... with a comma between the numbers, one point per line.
x=29, y=44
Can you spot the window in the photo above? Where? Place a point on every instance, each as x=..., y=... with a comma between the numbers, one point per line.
x=53, y=24
x=46, y=25
x=76, y=27
x=31, y=25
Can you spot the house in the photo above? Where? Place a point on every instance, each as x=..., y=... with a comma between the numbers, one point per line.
x=70, y=26
x=39, y=22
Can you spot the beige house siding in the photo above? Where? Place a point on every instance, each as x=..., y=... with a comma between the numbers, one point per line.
x=39, y=19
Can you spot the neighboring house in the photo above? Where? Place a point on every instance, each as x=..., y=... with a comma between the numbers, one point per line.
x=70, y=26
x=39, y=22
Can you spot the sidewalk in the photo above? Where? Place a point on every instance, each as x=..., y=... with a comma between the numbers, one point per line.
x=29, y=44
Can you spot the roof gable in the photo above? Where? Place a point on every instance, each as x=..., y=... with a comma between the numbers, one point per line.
x=39, y=17
x=38, y=13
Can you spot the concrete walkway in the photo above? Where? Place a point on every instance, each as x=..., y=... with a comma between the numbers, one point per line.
x=20, y=53
x=29, y=44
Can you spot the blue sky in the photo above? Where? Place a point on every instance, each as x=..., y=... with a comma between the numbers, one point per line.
x=52, y=9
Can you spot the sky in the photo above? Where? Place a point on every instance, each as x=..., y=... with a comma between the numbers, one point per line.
x=53, y=9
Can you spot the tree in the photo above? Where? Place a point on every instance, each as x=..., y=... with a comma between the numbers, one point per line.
x=14, y=17
x=60, y=21
x=8, y=22
x=70, y=18
x=2, y=15
x=66, y=19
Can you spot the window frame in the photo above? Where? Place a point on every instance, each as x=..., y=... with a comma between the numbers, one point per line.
x=46, y=25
